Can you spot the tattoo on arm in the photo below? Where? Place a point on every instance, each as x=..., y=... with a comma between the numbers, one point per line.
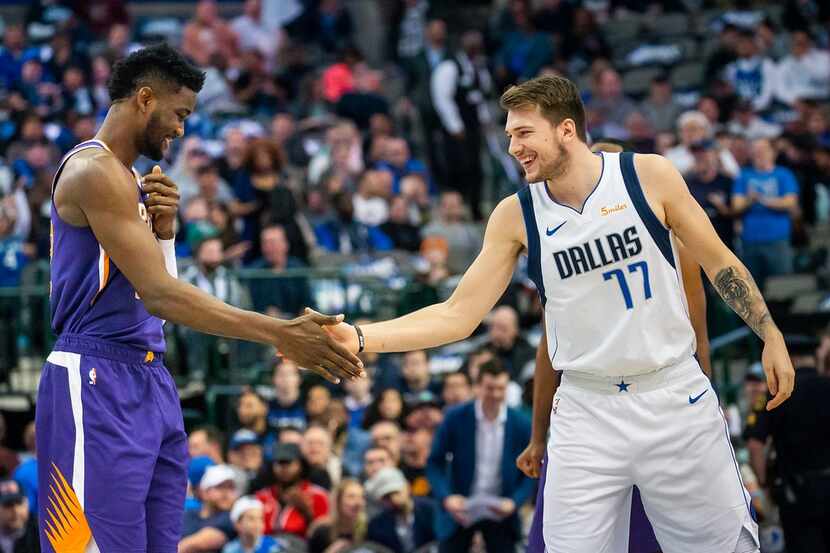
x=739, y=291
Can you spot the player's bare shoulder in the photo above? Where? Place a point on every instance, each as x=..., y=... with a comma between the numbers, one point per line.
x=661, y=182
x=506, y=223
x=89, y=175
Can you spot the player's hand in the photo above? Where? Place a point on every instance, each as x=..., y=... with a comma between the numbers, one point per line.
x=530, y=460
x=162, y=202
x=345, y=334
x=304, y=341
x=456, y=506
x=779, y=370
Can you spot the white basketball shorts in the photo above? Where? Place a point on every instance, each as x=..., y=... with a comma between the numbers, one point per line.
x=663, y=432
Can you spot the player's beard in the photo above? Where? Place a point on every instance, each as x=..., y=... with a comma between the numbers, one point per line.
x=557, y=166
x=153, y=138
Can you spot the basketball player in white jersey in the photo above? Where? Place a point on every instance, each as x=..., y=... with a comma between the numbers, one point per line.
x=633, y=407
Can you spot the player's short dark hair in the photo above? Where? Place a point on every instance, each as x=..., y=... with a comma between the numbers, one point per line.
x=160, y=62
x=494, y=367
x=557, y=98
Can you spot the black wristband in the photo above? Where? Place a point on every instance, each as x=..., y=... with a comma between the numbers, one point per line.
x=361, y=341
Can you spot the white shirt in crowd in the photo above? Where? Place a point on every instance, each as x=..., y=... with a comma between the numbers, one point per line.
x=489, y=448
x=684, y=160
x=370, y=211
x=805, y=77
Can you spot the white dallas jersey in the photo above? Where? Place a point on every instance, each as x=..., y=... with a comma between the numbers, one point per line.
x=608, y=276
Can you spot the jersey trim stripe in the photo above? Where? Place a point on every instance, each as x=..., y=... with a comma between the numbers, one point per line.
x=534, y=250
x=585, y=202
x=635, y=191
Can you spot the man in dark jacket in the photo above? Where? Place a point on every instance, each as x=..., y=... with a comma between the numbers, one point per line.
x=18, y=529
x=406, y=523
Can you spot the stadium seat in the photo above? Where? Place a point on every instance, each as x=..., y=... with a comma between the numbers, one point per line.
x=786, y=287
x=636, y=82
x=687, y=75
x=670, y=24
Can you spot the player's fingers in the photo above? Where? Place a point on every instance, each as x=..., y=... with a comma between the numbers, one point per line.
x=322, y=371
x=157, y=199
x=772, y=379
x=349, y=357
x=154, y=187
x=350, y=368
x=321, y=319
x=777, y=400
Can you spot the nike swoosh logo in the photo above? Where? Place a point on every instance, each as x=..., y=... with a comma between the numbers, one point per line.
x=550, y=231
x=693, y=400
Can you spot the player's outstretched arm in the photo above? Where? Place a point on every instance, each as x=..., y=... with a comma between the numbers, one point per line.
x=455, y=319
x=103, y=192
x=673, y=204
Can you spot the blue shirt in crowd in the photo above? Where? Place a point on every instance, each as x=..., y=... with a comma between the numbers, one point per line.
x=761, y=223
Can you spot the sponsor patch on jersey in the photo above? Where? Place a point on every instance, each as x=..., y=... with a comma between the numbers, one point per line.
x=609, y=210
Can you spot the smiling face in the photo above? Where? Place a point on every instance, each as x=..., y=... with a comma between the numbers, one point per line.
x=166, y=112
x=535, y=143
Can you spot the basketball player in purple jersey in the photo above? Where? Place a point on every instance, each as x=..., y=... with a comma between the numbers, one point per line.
x=546, y=381
x=110, y=437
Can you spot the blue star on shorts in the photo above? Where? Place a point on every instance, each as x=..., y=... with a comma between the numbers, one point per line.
x=622, y=385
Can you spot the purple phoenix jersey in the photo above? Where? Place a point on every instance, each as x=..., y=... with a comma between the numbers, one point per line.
x=112, y=451
x=89, y=295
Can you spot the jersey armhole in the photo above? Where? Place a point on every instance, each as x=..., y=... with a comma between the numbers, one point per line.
x=658, y=232
x=534, y=248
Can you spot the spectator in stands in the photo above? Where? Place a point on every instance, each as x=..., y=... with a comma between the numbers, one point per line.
x=210, y=528
x=371, y=201
x=207, y=35
x=286, y=409
x=342, y=234
x=366, y=99
x=292, y=503
x=246, y=455
x=13, y=54
x=709, y=106
x=252, y=413
x=417, y=380
x=460, y=86
x=206, y=441
x=659, y=107
x=247, y=518
x=8, y=458
x=765, y=196
x=26, y=472
x=712, y=190
x=317, y=451
x=805, y=73
x=524, y=51
x=724, y=54
x=639, y=132
x=752, y=76
x=329, y=24
x=419, y=70
x=252, y=33
x=424, y=413
x=13, y=250
x=511, y=347
x=401, y=231
x=18, y=527
x=317, y=402
x=386, y=406
x=584, y=41
x=415, y=192
x=357, y=400
x=342, y=153
x=608, y=108
x=406, y=523
x=463, y=237
x=397, y=160
x=347, y=524
x=746, y=123
x=387, y=435
x=488, y=469
x=694, y=127
x=457, y=389
x=338, y=78
x=286, y=295
x=415, y=449
x=376, y=458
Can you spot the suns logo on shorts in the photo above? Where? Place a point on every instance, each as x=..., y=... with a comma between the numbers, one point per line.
x=65, y=526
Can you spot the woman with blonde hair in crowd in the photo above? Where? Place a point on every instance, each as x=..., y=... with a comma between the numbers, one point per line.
x=346, y=526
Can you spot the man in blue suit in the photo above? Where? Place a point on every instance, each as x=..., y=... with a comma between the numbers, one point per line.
x=474, y=456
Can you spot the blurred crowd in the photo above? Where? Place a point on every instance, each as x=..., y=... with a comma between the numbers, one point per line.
x=303, y=154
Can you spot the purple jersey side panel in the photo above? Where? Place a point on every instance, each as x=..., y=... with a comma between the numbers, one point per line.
x=641, y=537
x=89, y=294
